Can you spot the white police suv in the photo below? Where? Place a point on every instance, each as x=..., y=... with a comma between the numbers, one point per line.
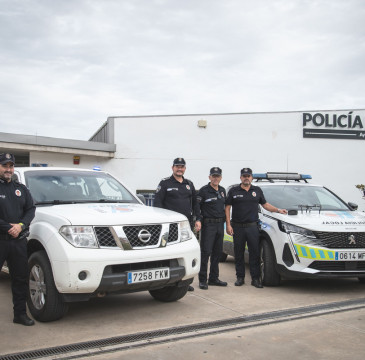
x=322, y=236
x=91, y=237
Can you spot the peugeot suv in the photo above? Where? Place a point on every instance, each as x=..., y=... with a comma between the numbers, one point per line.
x=321, y=236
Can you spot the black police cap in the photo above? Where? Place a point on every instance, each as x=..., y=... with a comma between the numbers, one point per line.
x=246, y=171
x=6, y=158
x=215, y=171
x=179, y=161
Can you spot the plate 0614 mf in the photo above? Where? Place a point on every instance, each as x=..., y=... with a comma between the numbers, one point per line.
x=349, y=255
x=148, y=275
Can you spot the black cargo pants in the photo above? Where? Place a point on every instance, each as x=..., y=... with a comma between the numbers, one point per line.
x=14, y=252
x=211, y=245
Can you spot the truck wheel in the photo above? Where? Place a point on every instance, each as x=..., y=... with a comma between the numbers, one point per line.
x=223, y=257
x=169, y=293
x=362, y=280
x=44, y=301
x=269, y=275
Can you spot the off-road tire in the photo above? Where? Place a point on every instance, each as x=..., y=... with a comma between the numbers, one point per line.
x=169, y=293
x=44, y=301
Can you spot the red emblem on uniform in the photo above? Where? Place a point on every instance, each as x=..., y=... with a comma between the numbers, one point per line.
x=222, y=194
x=188, y=187
x=253, y=194
x=18, y=192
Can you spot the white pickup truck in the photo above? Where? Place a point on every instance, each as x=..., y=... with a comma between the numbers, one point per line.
x=91, y=236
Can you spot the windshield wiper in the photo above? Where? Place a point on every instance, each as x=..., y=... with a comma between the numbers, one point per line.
x=55, y=202
x=308, y=208
x=61, y=202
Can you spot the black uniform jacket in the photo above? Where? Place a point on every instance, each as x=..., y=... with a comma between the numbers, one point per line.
x=176, y=196
x=245, y=204
x=211, y=202
x=16, y=205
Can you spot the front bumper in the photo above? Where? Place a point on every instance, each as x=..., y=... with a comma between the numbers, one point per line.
x=311, y=274
x=115, y=280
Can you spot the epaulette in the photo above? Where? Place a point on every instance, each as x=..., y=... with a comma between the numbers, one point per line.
x=166, y=178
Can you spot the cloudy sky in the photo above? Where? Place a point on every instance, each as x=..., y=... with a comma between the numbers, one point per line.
x=66, y=65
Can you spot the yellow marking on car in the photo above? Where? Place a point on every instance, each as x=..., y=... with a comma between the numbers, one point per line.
x=308, y=252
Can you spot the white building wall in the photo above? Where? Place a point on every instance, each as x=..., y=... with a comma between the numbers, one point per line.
x=65, y=160
x=146, y=147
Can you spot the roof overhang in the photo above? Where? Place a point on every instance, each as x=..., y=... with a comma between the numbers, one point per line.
x=47, y=144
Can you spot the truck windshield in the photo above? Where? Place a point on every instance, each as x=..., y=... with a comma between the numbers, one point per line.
x=56, y=186
x=301, y=197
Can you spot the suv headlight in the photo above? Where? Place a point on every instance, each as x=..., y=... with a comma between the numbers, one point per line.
x=80, y=236
x=289, y=228
x=185, y=231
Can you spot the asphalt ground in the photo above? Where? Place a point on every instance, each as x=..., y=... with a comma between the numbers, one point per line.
x=306, y=319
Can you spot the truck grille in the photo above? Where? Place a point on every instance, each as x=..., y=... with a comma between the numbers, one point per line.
x=340, y=240
x=173, y=233
x=338, y=265
x=132, y=235
x=105, y=237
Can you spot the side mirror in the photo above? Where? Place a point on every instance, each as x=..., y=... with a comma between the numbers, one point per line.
x=292, y=212
x=142, y=198
x=353, y=206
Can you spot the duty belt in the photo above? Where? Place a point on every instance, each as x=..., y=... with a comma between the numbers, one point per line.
x=244, y=225
x=213, y=220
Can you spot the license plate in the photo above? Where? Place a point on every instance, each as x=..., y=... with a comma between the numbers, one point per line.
x=148, y=275
x=349, y=255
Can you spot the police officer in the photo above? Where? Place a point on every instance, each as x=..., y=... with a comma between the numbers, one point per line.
x=244, y=200
x=178, y=194
x=211, y=198
x=16, y=213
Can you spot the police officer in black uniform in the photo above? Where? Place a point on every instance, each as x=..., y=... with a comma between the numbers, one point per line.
x=244, y=200
x=178, y=194
x=17, y=210
x=211, y=198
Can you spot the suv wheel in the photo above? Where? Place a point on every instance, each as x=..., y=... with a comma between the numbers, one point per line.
x=170, y=293
x=362, y=280
x=44, y=301
x=269, y=275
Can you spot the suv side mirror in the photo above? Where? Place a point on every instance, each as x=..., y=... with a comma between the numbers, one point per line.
x=353, y=206
x=142, y=198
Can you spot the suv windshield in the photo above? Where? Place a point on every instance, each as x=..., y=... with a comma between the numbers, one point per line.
x=53, y=186
x=300, y=197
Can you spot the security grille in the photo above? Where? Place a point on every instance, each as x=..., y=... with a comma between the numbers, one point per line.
x=338, y=265
x=338, y=240
x=132, y=235
x=173, y=233
x=105, y=237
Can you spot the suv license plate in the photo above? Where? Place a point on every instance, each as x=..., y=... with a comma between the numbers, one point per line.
x=349, y=255
x=148, y=275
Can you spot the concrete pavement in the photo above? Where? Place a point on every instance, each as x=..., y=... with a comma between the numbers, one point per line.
x=331, y=335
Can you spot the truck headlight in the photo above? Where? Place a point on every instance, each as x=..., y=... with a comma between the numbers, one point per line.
x=79, y=236
x=289, y=228
x=185, y=231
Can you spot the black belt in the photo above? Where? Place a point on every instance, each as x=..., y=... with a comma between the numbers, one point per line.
x=244, y=225
x=213, y=220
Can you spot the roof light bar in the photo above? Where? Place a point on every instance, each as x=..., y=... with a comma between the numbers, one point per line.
x=281, y=176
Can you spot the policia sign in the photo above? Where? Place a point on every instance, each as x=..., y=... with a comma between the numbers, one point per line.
x=333, y=126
